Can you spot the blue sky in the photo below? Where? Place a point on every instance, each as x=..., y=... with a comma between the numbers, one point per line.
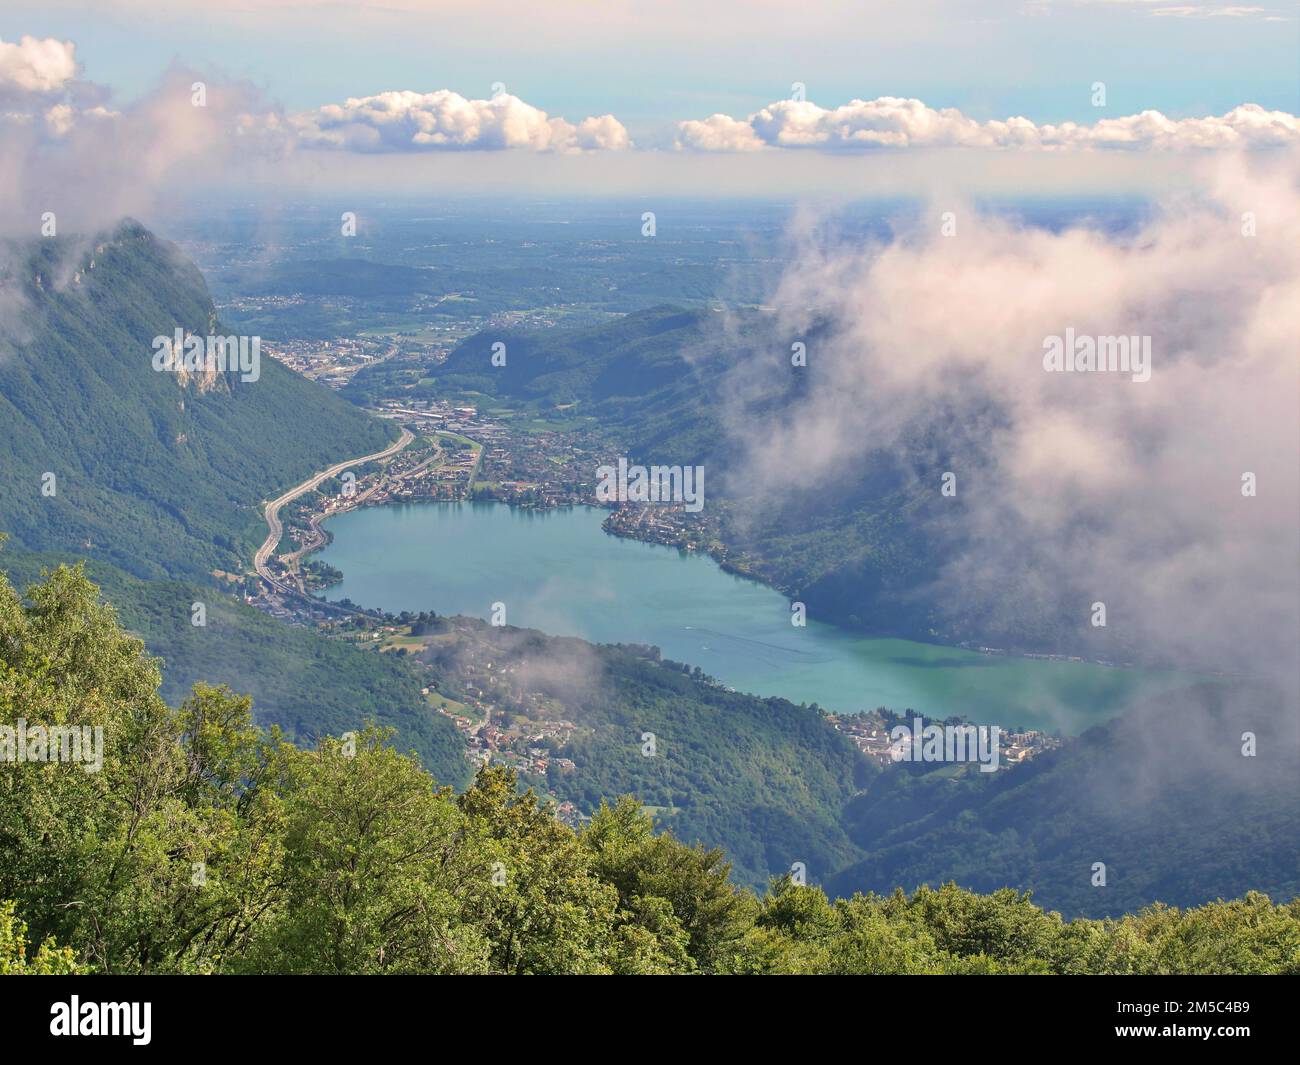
x=653, y=64
x=613, y=97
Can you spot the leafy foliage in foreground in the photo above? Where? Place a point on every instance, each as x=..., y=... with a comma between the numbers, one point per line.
x=299, y=680
x=208, y=845
x=49, y=959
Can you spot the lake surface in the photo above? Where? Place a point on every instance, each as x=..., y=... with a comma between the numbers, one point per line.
x=558, y=571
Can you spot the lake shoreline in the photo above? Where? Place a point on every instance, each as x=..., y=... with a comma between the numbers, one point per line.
x=738, y=627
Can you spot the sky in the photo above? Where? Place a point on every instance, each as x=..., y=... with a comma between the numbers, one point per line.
x=674, y=96
x=653, y=63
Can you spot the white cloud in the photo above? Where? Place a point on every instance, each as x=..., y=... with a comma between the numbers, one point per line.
x=61, y=119
x=1190, y=11
x=718, y=133
x=1080, y=488
x=91, y=165
x=1203, y=9
x=36, y=65
x=894, y=122
x=603, y=132
x=409, y=121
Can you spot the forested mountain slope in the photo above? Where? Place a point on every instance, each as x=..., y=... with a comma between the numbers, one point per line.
x=157, y=473
x=1191, y=797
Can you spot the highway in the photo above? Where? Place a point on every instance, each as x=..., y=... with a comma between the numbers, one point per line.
x=276, y=529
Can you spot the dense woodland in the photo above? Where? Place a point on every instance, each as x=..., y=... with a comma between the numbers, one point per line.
x=209, y=845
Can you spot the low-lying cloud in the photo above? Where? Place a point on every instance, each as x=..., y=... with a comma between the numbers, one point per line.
x=1084, y=487
x=891, y=122
x=74, y=156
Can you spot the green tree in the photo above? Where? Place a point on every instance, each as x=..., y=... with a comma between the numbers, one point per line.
x=527, y=884
x=369, y=871
x=49, y=959
x=681, y=895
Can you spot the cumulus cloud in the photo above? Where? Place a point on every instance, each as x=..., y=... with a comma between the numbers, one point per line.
x=1074, y=487
x=719, y=133
x=603, y=132
x=36, y=65
x=894, y=122
x=409, y=121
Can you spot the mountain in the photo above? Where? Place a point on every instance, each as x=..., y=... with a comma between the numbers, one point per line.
x=637, y=356
x=1165, y=796
x=159, y=476
x=865, y=554
x=159, y=473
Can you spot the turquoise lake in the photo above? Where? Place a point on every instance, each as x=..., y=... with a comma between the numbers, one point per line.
x=558, y=571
